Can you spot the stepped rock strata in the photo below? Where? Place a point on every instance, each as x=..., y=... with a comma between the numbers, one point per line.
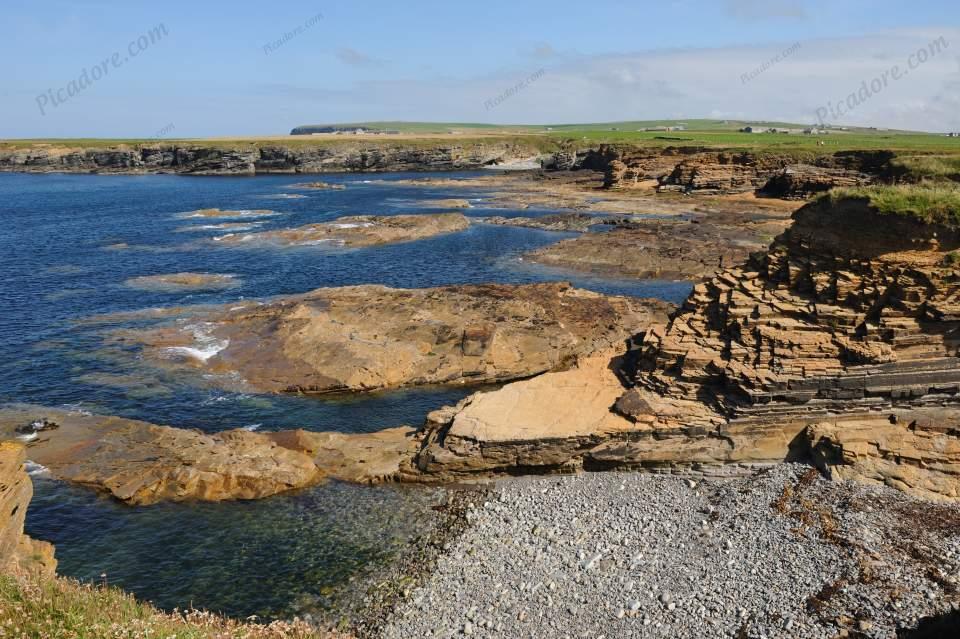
x=18, y=552
x=840, y=342
x=692, y=169
x=361, y=338
x=356, y=231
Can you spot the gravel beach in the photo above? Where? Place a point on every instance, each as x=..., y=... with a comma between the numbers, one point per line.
x=781, y=553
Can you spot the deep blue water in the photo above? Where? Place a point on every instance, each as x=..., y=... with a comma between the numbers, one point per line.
x=58, y=271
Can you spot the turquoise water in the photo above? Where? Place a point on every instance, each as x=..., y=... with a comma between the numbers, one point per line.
x=276, y=556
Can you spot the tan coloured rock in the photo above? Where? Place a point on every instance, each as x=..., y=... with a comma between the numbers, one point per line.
x=141, y=463
x=18, y=552
x=356, y=231
x=850, y=314
x=920, y=456
x=363, y=338
x=356, y=457
x=448, y=203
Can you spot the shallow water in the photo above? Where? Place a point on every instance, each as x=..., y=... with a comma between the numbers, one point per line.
x=61, y=265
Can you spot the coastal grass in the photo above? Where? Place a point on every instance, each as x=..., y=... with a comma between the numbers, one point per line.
x=930, y=203
x=708, y=134
x=60, y=608
x=937, y=168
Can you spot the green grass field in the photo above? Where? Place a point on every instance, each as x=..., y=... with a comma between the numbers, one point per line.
x=714, y=134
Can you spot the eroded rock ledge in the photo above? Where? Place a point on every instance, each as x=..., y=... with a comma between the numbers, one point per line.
x=361, y=338
x=839, y=342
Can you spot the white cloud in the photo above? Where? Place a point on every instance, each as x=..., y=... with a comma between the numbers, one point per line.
x=696, y=82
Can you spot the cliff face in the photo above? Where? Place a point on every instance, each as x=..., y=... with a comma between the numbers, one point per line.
x=838, y=344
x=683, y=169
x=19, y=552
x=722, y=172
x=249, y=159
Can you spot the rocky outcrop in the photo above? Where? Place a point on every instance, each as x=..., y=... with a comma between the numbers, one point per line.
x=141, y=463
x=671, y=249
x=355, y=231
x=574, y=222
x=800, y=181
x=18, y=552
x=840, y=342
x=917, y=452
x=362, y=338
x=247, y=159
x=692, y=169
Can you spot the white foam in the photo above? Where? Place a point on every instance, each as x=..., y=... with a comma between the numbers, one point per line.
x=28, y=437
x=351, y=225
x=252, y=427
x=35, y=470
x=207, y=346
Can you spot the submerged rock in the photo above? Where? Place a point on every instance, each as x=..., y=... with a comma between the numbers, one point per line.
x=361, y=338
x=356, y=231
x=179, y=282
x=447, y=203
x=227, y=214
x=578, y=222
x=320, y=186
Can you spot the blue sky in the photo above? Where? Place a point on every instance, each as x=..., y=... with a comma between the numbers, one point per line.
x=212, y=73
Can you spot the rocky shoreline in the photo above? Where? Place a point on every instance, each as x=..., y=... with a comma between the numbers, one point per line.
x=625, y=166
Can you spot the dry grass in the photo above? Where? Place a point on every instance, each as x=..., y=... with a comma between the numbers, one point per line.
x=65, y=609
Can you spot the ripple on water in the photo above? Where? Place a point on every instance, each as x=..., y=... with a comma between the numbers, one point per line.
x=269, y=557
x=279, y=556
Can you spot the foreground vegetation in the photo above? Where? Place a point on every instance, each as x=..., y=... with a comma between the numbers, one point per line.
x=65, y=609
x=932, y=203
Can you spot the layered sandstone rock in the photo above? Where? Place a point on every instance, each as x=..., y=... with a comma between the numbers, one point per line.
x=917, y=452
x=672, y=249
x=141, y=463
x=692, y=169
x=18, y=552
x=800, y=181
x=356, y=231
x=840, y=341
x=362, y=338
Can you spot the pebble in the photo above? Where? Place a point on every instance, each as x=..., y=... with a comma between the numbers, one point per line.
x=594, y=550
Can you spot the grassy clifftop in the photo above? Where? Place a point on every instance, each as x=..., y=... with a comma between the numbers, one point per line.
x=64, y=609
x=933, y=204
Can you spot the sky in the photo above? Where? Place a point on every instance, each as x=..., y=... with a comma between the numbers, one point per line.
x=89, y=68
